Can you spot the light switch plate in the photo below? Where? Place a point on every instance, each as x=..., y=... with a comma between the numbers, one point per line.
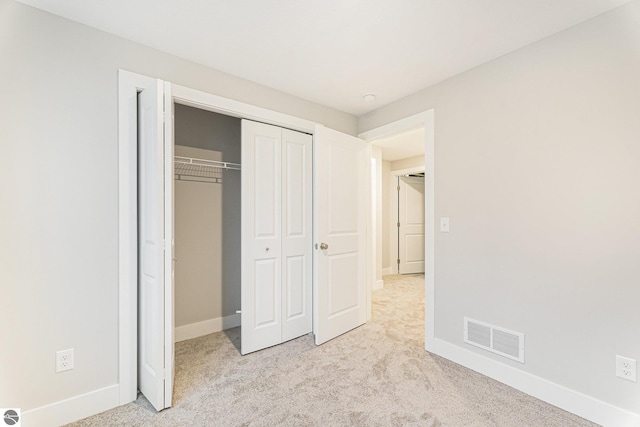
x=444, y=225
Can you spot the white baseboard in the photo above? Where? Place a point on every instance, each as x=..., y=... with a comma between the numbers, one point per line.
x=378, y=284
x=206, y=327
x=570, y=400
x=387, y=271
x=73, y=409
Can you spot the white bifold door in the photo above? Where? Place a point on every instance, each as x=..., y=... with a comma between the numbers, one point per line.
x=411, y=224
x=277, y=235
x=155, y=247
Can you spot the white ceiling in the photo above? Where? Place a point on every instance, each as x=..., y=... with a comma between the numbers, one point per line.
x=403, y=145
x=334, y=51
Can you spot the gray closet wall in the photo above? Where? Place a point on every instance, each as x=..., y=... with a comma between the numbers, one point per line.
x=207, y=220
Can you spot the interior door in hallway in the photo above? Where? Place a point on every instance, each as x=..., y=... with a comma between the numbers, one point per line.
x=341, y=185
x=411, y=224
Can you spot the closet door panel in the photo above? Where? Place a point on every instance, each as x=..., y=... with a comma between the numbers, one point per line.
x=294, y=181
x=265, y=285
x=261, y=291
x=294, y=293
x=267, y=187
x=297, y=233
x=151, y=279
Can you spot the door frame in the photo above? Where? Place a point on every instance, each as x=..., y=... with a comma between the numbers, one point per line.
x=424, y=119
x=129, y=85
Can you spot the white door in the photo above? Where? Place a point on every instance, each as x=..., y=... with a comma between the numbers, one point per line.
x=297, y=234
x=261, y=288
x=152, y=334
x=341, y=185
x=169, y=259
x=411, y=225
x=277, y=230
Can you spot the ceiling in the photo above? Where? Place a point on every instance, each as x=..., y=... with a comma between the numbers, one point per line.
x=402, y=145
x=334, y=51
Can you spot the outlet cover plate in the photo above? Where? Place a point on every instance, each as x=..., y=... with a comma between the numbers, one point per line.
x=64, y=360
x=626, y=368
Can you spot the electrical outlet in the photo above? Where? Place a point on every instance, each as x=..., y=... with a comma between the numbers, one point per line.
x=64, y=360
x=626, y=368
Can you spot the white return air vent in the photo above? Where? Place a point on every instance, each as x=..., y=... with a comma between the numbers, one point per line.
x=495, y=339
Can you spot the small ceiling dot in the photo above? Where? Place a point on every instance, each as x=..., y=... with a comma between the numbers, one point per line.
x=369, y=97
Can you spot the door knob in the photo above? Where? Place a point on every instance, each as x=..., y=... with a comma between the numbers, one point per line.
x=324, y=246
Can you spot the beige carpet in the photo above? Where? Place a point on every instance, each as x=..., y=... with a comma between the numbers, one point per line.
x=376, y=375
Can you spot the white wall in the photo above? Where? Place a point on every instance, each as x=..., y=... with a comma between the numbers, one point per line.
x=59, y=177
x=536, y=162
x=408, y=163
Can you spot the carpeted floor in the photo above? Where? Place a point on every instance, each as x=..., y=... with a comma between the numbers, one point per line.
x=376, y=375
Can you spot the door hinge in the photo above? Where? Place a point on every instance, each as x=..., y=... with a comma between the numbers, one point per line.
x=398, y=261
x=398, y=188
x=398, y=225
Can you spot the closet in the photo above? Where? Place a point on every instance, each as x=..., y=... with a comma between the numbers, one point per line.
x=207, y=222
x=243, y=228
x=227, y=224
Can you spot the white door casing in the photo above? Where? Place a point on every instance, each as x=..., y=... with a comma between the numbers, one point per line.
x=341, y=186
x=151, y=273
x=411, y=220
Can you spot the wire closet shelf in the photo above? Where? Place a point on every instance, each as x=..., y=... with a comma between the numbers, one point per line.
x=201, y=170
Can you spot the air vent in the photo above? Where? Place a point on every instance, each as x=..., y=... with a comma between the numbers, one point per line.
x=495, y=339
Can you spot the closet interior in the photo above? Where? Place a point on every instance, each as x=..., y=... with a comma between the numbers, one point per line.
x=207, y=221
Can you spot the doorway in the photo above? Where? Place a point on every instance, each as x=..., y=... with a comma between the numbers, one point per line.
x=336, y=214
x=425, y=121
x=400, y=205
